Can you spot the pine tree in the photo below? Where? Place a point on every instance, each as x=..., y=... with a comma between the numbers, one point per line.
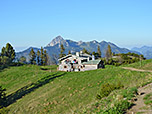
x=2, y=96
x=62, y=49
x=3, y=52
x=7, y=54
x=32, y=57
x=45, y=59
x=42, y=56
x=85, y=51
x=108, y=53
x=99, y=51
x=69, y=52
x=5, y=60
x=0, y=60
x=93, y=53
x=38, y=57
x=22, y=60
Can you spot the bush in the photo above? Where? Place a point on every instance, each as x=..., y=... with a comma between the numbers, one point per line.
x=117, y=64
x=148, y=99
x=107, y=88
x=2, y=96
x=130, y=93
x=119, y=108
x=4, y=110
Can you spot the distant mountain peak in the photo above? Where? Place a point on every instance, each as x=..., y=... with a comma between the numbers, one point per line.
x=80, y=42
x=94, y=41
x=56, y=40
x=103, y=41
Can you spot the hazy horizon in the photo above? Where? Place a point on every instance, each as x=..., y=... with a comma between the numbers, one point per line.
x=19, y=49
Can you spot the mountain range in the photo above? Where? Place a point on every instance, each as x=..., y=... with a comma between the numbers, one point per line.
x=145, y=50
x=53, y=48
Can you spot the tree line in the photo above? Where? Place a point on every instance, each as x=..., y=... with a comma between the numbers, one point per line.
x=96, y=54
x=40, y=57
x=7, y=57
x=110, y=57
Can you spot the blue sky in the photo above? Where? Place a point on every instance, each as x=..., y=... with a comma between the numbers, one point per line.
x=26, y=23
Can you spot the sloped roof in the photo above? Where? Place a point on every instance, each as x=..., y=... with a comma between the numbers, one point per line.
x=67, y=56
x=85, y=55
x=82, y=56
x=92, y=62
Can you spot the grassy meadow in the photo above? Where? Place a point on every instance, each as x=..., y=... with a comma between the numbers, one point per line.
x=146, y=65
x=38, y=89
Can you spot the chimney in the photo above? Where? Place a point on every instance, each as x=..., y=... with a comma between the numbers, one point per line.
x=88, y=58
x=93, y=57
x=77, y=54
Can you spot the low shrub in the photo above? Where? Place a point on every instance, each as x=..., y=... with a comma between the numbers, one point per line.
x=130, y=93
x=119, y=108
x=4, y=110
x=148, y=99
x=2, y=96
x=107, y=88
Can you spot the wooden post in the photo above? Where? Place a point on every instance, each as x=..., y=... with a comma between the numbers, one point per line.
x=140, y=61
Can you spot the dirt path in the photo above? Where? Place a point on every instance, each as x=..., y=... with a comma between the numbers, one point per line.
x=134, y=69
x=139, y=106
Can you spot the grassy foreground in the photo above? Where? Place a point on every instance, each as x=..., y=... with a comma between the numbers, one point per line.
x=36, y=89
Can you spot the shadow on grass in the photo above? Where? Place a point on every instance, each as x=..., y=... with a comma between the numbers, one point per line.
x=2, y=67
x=10, y=99
x=44, y=68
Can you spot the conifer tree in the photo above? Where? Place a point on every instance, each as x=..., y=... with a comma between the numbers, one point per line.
x=22, y=59
x=38, y=57
x=0, y=60
x=99, y=51
x=10, y=52
x=42, y=56
x=93, y=53
x=69, y=52
x=108, y=53
x=4, y=58
x=62, y=49
x=32, y=57
x=45, y=59
x=7, y=54
x=3, y=52
x=85, y=51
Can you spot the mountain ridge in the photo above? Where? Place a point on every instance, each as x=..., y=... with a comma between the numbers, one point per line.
x=53, y=48
x=145, y=50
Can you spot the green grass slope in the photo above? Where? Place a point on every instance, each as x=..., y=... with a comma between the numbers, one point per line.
x=38, y=90
x=146, y=64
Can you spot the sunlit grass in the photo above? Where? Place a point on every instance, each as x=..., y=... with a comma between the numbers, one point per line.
x=71, y=92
